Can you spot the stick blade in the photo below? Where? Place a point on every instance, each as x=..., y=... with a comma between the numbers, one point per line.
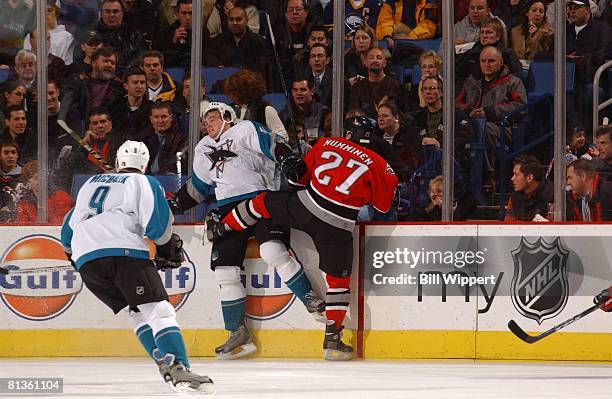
x=520, y=333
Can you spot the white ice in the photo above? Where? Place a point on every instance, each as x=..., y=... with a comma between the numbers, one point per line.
x=294, y=379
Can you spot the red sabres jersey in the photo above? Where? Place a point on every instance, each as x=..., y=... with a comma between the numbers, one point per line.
x=344, y=176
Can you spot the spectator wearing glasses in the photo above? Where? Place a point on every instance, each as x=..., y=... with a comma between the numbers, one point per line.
x=127, y=41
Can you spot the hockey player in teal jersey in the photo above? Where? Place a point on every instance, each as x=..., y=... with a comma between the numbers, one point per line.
x=240, y=161
x=104, y=237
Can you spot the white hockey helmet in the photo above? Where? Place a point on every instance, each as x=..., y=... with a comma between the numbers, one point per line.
x=227, y=113
x=132, y=154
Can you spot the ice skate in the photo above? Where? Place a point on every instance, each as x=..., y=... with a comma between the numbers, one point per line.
x=315, y=306
x=239, y=344
x=333, y=347
x=181, y=379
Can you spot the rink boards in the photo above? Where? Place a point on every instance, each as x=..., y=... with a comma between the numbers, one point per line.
x=418, y=291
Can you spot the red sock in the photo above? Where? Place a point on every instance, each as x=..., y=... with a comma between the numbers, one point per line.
x=337, y=298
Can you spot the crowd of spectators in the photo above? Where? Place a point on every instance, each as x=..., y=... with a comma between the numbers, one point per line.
x=112, y=76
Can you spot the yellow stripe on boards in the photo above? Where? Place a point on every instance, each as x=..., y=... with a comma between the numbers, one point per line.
x=420, y=344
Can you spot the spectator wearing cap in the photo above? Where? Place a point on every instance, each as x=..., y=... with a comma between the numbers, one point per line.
x=91, y=41
x=589, y=44
x=590, y=198
x=100, y=88
x=127, y=41
x=61, y=41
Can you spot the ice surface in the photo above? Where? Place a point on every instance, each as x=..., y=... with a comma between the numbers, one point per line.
x=295, y=379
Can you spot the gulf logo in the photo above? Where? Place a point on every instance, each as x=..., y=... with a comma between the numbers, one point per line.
x=179, y=282
x=41, y=295
x=267, y=296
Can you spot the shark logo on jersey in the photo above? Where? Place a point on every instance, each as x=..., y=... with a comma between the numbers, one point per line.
x=220, y=155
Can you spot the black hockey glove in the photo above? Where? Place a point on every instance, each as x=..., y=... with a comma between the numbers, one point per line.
x=604, y=300
x=174, y=206
x=169, y=255
x=69, y=256
x=293, y=168
x=214, y=228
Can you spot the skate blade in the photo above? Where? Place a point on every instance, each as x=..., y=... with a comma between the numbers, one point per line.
x=335, y=355
x=185, y=387
x=241, y=351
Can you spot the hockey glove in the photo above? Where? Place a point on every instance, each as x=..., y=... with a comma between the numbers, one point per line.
x=604, y=300
x=293, y=168
x=214, y=228
x=174, y=206
x=69, y=256
x=169, y=255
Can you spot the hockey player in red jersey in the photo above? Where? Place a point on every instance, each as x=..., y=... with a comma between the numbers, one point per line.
x=339, y=177
x=604, y=300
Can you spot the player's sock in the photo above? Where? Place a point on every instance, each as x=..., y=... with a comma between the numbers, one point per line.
x=295, y=278
x=143, y=330
x=233, y=296
x=145, y=336
x=275, y=254
x=170, y=340
x=247, y=213
x=337, y=298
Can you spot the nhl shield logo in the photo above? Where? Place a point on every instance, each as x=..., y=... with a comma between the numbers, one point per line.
x=539, y=284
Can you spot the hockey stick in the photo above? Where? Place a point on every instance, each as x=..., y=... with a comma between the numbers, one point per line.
x=178, y=170
x=58, y=268
x=101, y=162
x=282, y=78
x=530, y=339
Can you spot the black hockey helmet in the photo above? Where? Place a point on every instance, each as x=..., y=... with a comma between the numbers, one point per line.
x=358, y=128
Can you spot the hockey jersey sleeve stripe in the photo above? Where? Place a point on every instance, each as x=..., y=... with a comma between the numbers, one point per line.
x=198, y=189
x=265, y=141
x=159, y=226
x=66, y=232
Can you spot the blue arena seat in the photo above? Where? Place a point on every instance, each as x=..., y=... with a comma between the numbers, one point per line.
x=213, y=74
x=176, y=73
x=541, y=78
x=220, y=98
x=4, y=74
x=278, y=100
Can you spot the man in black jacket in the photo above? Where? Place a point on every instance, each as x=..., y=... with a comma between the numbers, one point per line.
x=126, y=40
x=531, y=194
x=239, y=47
x=100, y=88
x=590, y=199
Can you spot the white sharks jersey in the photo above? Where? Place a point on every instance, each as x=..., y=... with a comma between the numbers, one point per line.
x=238, y=165
x=112, y=214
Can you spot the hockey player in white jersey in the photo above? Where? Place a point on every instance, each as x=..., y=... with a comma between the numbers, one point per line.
x=238, y=162
x=103, y=236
